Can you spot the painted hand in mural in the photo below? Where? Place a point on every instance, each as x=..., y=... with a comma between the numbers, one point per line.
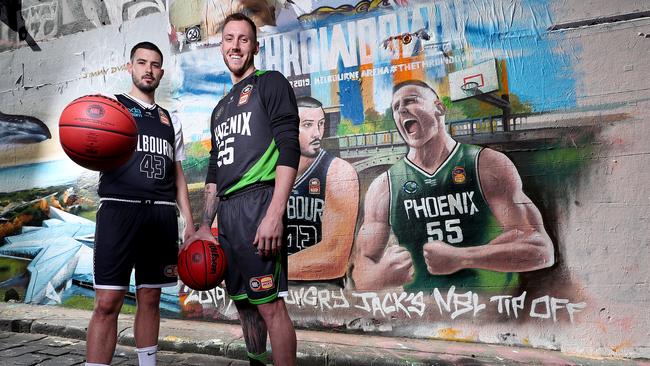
x=440, y=258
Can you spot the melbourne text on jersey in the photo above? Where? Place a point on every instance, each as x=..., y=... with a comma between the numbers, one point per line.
x=450, y=204
x=305, y=208
x=155, y=145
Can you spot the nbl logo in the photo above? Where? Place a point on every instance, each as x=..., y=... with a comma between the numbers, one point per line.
x=95, y=111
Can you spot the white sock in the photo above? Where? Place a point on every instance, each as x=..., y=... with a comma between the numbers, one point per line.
x=147, y=355
x=95, y=364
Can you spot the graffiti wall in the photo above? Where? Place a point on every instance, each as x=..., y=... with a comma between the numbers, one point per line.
x=470, y=170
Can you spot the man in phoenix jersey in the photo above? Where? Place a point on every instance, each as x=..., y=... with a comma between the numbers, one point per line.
x=322, y=209
x=252, y=168
x=458, y=211
x=136, y=222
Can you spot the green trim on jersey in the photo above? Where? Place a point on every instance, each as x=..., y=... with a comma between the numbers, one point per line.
x=238, y=297
x=262, y=171
x=449, y=206
x=260, y=72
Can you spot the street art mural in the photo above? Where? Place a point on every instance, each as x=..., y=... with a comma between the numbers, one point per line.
x=456, y=159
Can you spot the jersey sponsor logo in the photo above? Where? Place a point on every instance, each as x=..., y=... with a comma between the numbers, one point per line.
x=245, y=94
x=410, y=187
x=135, y=112
x=458, y=175
x=446, y=205
x=170, y=270
x=314, y=186
x=305, y=208
x=95, y=111
x=163, y=118
x=155, y=145
x=431, y=181
x=261, y=283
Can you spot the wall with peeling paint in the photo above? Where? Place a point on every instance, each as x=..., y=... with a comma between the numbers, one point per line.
x=542, y=244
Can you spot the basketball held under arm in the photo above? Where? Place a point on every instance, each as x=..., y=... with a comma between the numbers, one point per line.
x=328, y=259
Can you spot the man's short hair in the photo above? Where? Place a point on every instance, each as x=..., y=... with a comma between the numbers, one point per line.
x=308, y=102
x=419, y=83
x=236, y=17
x=146, y=46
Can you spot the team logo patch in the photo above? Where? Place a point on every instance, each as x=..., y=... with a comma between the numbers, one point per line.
x=314, y=186
x=458, y=175
x=163, y=118
x=135, y=112
x=171, y=270
x=95, y=111
x=410, y=187
x=261, y=283
x=245, y=94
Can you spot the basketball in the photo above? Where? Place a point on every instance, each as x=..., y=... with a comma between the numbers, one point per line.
x=202, y=265
x=97, y=132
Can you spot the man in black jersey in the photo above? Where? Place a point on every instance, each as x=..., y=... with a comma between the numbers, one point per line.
x=323, y=206
x=252, y=168
x=136, y=222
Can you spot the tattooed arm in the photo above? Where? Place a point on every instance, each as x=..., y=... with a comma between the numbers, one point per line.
x=209, y=212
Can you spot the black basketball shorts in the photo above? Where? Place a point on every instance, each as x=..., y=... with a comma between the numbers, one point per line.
x=250, y=276
x=135, y=235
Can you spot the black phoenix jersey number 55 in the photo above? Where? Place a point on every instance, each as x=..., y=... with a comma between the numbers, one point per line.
x=243, y=126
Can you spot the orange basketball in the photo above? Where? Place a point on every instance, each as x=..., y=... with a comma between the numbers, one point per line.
x=98, y=132
x=202, y=265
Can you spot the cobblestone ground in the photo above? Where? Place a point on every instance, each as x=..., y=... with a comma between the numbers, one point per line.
x=27, y=349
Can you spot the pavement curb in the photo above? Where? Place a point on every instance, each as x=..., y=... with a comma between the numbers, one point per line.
x=315, y=348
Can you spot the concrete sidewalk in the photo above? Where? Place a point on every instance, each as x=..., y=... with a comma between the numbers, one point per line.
x=314, y=347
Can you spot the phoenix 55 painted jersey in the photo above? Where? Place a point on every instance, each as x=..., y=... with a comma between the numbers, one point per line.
x=306, y=204
x=449, y=206
x=150, y=173
x=254, y=128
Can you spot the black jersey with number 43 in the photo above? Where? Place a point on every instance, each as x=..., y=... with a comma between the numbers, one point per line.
x=150, y=174
x=251, y=126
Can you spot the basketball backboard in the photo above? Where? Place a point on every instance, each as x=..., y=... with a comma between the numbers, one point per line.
x=472, y=81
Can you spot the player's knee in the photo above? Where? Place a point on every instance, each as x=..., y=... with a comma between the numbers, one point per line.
x=272, y=310
x=107, y=307
x=148, y=298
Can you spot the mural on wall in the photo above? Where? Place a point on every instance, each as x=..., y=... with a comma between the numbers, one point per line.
x=433, y=215
x=443, y=149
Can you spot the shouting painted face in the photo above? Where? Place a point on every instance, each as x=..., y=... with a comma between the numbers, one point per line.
x=418, y=114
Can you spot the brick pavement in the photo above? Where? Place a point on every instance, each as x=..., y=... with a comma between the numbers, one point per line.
x=27, y=349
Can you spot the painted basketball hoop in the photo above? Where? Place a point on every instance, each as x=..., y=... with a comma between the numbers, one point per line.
x=470, y=88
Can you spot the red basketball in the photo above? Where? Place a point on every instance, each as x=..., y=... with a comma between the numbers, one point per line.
x=202, y=265
x=98, y=132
